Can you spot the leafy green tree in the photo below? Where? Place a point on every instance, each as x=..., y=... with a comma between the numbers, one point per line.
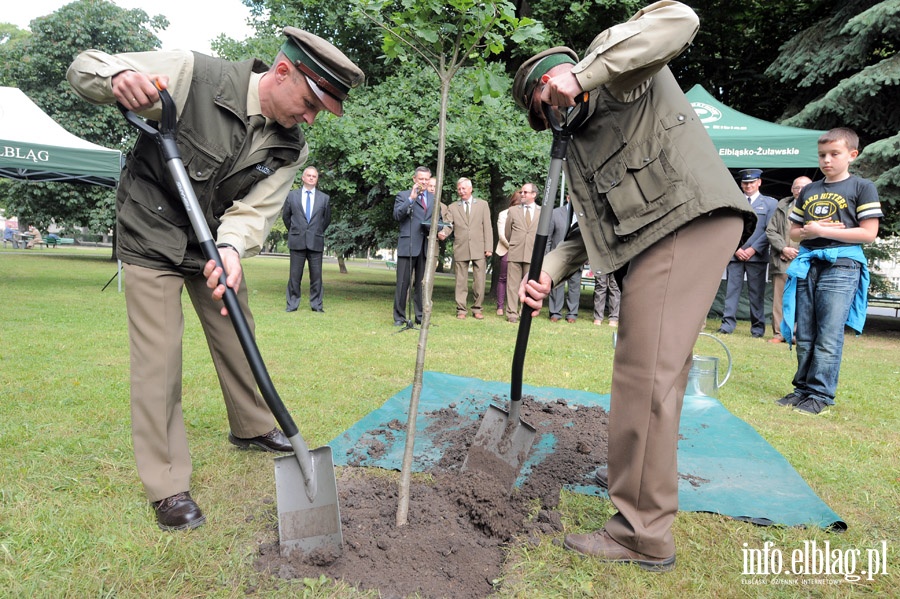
x=329, y=20
x=845, y=69
x=37, y=64
x=369, y=155
x=443, y=35
x=9, y=33
x=366, y=156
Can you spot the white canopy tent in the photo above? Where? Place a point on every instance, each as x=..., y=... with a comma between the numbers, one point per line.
x=34, y=147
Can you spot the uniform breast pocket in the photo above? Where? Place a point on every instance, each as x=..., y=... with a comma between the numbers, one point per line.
x=635, y=186
x=200, y=159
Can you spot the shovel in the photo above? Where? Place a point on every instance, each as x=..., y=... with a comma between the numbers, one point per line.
x=307, y=521
x=503, y=440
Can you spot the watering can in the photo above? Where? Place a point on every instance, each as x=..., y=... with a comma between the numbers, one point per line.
x=703, y=379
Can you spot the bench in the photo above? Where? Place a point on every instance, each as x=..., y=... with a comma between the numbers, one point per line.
x=885, y=301
x=56, y=241
x=391, y=265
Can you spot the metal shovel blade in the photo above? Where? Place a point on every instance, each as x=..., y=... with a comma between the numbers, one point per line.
x=308, y=525
x=501, y=446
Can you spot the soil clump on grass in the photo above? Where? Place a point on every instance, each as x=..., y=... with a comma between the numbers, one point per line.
x=460, y=523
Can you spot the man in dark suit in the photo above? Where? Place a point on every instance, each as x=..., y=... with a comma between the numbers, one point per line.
x=306, y=215
x=751, y=259
x=412, y=209
x=568, y=293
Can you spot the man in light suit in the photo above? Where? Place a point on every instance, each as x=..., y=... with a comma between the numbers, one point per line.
x=562, y=296
x=306, y=215
x=751, y=259
x=473, y=239
x=412, y=209
x=521, y=229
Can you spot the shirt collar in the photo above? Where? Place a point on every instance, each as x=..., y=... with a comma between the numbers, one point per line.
x=254, y=106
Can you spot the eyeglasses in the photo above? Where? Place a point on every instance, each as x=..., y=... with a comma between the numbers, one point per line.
x=523, y=191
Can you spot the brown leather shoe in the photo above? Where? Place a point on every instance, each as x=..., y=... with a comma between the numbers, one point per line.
x=601, y=477
x=478, y=316
x=602, y=546
x=555, y=318
x=178, y=512
x=461, y=315
x=274, y=441
x=570, y=319
x=777, y=339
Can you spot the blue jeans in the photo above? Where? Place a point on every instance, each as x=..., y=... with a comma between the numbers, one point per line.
x=823, y=304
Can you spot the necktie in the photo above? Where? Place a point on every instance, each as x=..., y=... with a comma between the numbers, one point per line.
x=308, y=205
x=255, y=137
x=423, y=200
x=528, y=216
x=467, y=208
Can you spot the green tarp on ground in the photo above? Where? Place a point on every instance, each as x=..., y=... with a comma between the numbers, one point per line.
x=744, y=477
x=34, y=147
x=744, y=141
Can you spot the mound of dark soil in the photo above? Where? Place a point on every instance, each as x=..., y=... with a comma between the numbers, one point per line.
x=459, y=523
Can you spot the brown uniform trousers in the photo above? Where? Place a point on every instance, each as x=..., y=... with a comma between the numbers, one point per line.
x=665, y=297
x=156, y=324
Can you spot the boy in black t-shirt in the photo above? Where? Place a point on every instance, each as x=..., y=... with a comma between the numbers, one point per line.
x=828, y=280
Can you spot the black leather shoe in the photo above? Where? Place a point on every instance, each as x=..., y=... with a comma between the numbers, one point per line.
x=178, y=512
x=274, y=441
x=601, y=477
x=722, y=331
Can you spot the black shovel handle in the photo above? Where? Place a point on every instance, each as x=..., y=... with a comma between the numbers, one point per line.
x=562, y=134
x=165, y=138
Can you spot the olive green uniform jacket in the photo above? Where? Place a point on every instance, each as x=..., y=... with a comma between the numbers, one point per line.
x=240, y=187
x=642, y=165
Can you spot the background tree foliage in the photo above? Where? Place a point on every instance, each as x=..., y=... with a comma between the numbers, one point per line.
x=845, y=71
x=36, y=63
x=390, y=126
x=835, y=63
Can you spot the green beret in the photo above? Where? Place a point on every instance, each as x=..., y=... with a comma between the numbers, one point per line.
x=329, y=71
x=532, y=69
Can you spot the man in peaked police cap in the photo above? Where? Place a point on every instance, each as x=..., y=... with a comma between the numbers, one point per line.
x=239, y=137
x=750, y=260
x=652, y=197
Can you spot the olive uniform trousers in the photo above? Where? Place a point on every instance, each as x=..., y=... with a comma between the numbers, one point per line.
x=666, y=295
x=155, y=327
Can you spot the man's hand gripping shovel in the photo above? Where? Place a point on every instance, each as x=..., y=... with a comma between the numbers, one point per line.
x=307, y=521
x=503, y=440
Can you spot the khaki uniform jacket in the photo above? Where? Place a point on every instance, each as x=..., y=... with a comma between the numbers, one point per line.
x=779, y=233
x=472, y=234
x=240, y=179
x=520, y=234
x=641, y=165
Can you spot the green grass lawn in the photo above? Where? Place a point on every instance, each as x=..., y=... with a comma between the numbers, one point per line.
x=74, y=521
